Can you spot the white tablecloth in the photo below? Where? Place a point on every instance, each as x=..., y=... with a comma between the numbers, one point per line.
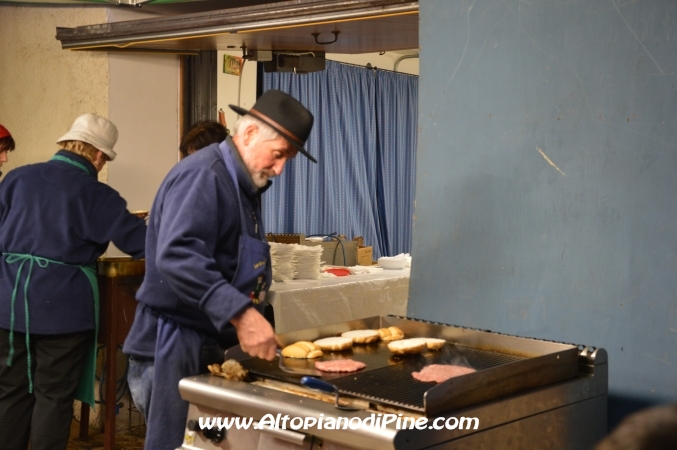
x=301, y=304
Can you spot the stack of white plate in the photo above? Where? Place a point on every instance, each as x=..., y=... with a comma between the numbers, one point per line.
x=307, y=261
x=282, y=258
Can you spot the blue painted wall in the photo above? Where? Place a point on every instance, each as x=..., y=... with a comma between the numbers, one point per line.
x=546, y=198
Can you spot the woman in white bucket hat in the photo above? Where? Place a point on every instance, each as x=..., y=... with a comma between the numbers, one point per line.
x=56, y=220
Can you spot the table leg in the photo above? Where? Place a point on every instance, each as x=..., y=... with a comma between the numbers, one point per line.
x=110, y=377
x=84, y=420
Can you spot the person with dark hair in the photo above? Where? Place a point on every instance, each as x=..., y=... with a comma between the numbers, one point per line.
x=56, y=219
x=208, y=260
x=6, y=144
x=653, y=428
x=200, y=136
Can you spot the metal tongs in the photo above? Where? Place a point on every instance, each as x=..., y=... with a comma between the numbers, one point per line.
x=323, y=386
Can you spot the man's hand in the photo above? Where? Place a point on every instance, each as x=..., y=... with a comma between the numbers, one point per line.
x=256, y=336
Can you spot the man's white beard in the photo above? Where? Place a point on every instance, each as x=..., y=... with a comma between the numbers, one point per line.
x=260, y=179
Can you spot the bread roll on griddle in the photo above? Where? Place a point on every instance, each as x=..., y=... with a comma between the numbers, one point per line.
x=390, y=334
x=407, y=346
x=334, y=344
x=362, y=336
x=302, y=350
x=434, y=343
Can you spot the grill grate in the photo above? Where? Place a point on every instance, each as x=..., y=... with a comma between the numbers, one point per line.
x=394, y=385
x=524, y=363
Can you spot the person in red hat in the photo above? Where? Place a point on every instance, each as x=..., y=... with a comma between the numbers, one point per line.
x=6, y=144
x=208, y=262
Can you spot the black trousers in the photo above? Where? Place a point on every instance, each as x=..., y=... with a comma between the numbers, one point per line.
x=43, y=417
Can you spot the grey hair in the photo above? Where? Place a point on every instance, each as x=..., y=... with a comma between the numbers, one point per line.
x=266, y=133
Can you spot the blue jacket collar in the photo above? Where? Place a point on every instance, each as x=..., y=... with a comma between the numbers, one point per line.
x=81, y=159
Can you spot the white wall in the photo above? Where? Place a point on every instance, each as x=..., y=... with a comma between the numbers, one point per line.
x=144, y=97
x=143, y=89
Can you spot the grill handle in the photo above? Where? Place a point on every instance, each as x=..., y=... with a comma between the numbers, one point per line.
x=319, y=385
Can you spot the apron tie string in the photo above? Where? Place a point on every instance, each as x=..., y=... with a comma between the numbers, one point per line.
x=42, y=262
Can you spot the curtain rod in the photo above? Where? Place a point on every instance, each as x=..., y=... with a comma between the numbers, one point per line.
x=373, y=68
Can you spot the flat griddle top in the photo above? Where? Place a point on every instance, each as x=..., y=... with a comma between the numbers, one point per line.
x=387, y=379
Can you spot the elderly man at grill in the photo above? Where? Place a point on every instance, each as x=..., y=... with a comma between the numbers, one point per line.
x=207, y=259
x=56, y=219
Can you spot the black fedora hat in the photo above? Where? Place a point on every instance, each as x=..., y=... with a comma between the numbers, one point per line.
x=284, y=114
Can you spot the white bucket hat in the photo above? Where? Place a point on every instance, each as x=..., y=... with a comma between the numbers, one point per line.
x=94, y=130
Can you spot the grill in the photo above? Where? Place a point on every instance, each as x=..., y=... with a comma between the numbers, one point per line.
x=516, y=380
x=379, y=385
x=387, y=379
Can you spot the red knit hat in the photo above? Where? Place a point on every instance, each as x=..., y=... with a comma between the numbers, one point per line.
x=4, y=132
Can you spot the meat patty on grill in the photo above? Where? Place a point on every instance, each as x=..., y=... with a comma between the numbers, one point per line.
x=440, y=373
x=340, y=365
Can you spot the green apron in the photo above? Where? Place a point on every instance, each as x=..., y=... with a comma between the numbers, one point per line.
x=85, y=390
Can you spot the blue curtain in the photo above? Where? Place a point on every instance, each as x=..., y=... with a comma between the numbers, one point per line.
x=364, y=139
x=397, y=125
